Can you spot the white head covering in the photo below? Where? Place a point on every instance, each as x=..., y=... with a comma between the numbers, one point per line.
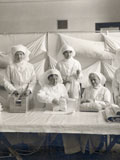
x=101, y=77
x=66, y=48
x=21, y=48
x=50, y=72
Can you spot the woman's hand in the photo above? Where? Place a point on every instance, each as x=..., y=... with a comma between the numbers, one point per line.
x=27, y=93
x=83, y=102
x=15, y=93
x=65, y=82
x=55, y=101
x=77, y=76
x=87, y=101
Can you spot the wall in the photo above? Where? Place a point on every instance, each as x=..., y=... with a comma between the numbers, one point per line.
x=22, y=16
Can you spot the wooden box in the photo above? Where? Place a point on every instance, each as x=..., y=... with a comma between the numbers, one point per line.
x=19, y=105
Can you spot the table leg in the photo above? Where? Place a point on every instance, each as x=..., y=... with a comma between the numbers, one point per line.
x=113, y=142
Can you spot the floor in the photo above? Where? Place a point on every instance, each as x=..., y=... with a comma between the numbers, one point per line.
x=58, y=154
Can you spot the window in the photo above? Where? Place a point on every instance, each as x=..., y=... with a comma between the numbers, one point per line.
x=108, y=26
x=62, y=24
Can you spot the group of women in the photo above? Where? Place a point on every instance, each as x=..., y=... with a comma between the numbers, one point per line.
x=64, y=81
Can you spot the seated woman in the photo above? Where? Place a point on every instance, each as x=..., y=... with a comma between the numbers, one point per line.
x=70, y=70
x=99, y=95
x=96, y=96
x=52, y=90
x=20, y=77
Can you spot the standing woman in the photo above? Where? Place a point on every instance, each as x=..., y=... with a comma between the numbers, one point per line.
x=20, y=76
x=70, y=70
x=116, y=87
x=20, y=79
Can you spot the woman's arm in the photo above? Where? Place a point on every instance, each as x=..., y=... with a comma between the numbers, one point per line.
x=7, y=80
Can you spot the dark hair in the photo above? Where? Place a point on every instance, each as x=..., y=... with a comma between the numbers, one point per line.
x=52, y=75
x=67, y=50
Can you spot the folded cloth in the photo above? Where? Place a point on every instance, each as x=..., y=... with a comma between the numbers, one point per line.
x=90, y=107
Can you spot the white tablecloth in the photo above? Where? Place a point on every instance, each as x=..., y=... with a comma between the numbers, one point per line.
x=49, y=122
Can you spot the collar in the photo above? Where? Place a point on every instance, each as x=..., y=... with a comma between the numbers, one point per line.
x=99, y=85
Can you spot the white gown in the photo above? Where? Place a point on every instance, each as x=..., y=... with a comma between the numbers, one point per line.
x=76, y=143
x=48, y=93
x=100, y=94
x=19, y=76
x=68, y=69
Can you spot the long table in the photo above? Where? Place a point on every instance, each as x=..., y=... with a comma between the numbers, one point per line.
x=50, y=122
x=40, y=121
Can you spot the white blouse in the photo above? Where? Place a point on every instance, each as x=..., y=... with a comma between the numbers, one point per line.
x=68, y=67
x=48, y=93
x=19, y=76
x=100, y=94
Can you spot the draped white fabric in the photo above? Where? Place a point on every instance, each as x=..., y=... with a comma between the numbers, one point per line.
x=37, y=46
x=108, y=71
x=87, y=48
x=52, y=62
x=112, y=44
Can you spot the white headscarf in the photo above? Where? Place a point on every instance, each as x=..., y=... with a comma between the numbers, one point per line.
x=65, y=48
x=51, y=72
x=21, y=48
x=100, y=76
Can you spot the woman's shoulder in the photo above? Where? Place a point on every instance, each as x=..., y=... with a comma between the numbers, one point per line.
x=76, y=61
x=104, y=88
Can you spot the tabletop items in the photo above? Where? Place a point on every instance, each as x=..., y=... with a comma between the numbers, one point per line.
x=112, y=113
x=19, y=105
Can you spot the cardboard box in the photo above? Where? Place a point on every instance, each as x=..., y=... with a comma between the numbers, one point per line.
x=19, y=105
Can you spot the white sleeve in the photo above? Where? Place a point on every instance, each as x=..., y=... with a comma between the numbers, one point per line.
x=43, y=97
x=106, y=100
x=7, y=81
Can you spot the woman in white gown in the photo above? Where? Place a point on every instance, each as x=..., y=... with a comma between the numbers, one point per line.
x=52, y=90
x=20, y=75
x=101, y=97
x=71, y=71
x=20, y=79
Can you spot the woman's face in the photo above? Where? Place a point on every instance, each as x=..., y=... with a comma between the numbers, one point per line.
x=67, y=54
x=53, y=79
x=94, y=79
x=19, y=56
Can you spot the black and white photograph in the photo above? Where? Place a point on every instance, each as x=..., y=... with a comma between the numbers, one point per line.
x=59, y=79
